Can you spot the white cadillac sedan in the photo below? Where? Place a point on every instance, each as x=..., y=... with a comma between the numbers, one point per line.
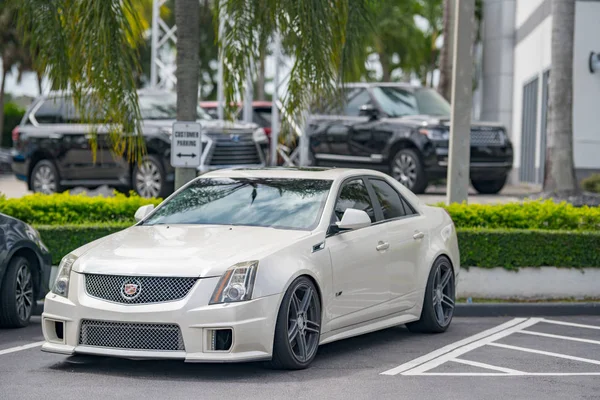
x=258, y=264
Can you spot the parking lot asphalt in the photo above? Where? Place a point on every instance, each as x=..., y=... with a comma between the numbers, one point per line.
x=477, y=358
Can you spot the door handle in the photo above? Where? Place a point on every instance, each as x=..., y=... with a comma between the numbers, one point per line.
x=418, y=235
x=382, y=246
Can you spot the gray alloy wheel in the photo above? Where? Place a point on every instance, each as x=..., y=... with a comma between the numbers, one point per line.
x=17, y=297
x=44, y=178
x=439, y=301
x=407, y=169
x=149, y=178
x=298, y=327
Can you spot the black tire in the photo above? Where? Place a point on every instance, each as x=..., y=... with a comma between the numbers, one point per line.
x=429, y=322
x=150, y=167
x=12, y=315
x=284, y=356
x=407, y=168
x=44, y=178
x=490, y=186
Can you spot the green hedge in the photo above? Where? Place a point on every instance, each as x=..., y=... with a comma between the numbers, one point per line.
x=544, y=215
x=483, y=248
x=65, y=208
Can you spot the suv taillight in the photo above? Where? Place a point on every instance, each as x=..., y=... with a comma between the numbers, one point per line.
x=15, y=135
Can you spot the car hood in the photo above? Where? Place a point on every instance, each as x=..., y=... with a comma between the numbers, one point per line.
x=211, y=126
x=181, y=250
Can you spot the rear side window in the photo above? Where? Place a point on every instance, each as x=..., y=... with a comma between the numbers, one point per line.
x=49, y=112
x=389, y=199
x=354, y=194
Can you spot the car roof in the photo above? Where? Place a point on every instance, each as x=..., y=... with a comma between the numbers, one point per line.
x=291, y=173
x=215, y=104
x=402, y=85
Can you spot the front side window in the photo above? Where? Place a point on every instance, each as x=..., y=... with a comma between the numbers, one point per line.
x=389, y=199
x=354, y=194
x=276, y=203
x=355, y=99
x=399, y=102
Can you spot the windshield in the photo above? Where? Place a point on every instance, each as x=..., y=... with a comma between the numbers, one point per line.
x=163, y=106
x=275, y=203
x=399, y=102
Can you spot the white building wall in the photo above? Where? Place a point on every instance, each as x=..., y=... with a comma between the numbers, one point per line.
x=586, y=88
x=532, y=58
x=524, y=9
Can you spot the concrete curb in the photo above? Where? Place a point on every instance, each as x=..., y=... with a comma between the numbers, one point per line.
x=549, y=309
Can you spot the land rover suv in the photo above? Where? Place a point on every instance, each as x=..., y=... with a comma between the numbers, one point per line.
x=52, y=150
x=403, y=130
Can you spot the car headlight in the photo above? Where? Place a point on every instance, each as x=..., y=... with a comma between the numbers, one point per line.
x=435, y=134
x=167, y=131
x=61, y=284
x=260, y=136
x=236, y=284
x=35, y=237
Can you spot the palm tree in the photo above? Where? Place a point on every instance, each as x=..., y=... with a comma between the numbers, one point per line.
x=559, y=176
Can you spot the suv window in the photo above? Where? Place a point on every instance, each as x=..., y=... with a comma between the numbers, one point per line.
x=355, y=99
x=354, y=194
x=389, y=199
x=92, y=113
x=49, y=112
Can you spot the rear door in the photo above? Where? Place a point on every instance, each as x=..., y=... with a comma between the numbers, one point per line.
x=408, y=243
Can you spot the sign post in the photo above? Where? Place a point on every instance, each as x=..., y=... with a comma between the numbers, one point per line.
x=186, y=145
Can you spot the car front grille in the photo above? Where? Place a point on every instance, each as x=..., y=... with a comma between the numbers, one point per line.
x=148, y=289
x=233, y=149
x=480, y=137
x=131, y=336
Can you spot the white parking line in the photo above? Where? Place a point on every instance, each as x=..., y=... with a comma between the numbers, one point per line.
x=549, y=335
x=550, y=321
x=20, y=348
x=501, y=374
x=546, y=353
x=434, y=354
x=487, y=366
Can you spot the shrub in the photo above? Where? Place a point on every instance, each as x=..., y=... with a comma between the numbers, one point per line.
x=591, y=183
x=545, y=215
x=484, y=248
x=12, y=117
x=64, y=208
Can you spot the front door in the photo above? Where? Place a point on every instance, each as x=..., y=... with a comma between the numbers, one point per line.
x=360, y=278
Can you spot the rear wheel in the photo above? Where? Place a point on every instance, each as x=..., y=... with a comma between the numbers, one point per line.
x=489, y=186
x=438, y=304
x=16, y=294
x=406, y=168
x=44, y=178
x=298, y=327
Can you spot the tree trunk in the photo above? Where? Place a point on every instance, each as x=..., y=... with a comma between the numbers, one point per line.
x=4, y=73
x=40, y=77
x=385, y=68
x=560, y=169
x=260, y=80
x=445, y=84
x=187, y=19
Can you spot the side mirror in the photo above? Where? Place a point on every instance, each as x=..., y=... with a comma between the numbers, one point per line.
x=368, y=110
x=354, y=219
x=143, y=211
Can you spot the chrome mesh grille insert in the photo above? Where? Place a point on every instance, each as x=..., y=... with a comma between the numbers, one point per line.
x=486, y=137
x=131, y=336
x=148, y=289
x=234, y=150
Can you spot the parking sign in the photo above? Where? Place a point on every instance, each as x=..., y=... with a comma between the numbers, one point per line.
x=186, y=145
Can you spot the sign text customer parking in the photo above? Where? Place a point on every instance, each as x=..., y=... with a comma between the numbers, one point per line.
x=186, y=145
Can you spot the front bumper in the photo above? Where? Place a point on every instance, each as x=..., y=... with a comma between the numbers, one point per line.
x=252, y=324
x=496, y=164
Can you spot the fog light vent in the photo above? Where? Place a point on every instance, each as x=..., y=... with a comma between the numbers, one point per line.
x=59, y=329
x=220, y=339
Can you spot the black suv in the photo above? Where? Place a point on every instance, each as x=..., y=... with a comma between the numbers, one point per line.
x=52, y=150
x=403, y=130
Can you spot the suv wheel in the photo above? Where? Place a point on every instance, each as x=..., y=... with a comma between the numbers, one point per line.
x=44, y=178
x=149, y=178
x=489, y=186
x=407, y=168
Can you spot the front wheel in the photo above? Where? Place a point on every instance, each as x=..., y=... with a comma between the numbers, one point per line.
x=16, y=294
x=149, y=178
x=298, y=327
x=438, y=304
x=406, y=167
x=489, y=186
